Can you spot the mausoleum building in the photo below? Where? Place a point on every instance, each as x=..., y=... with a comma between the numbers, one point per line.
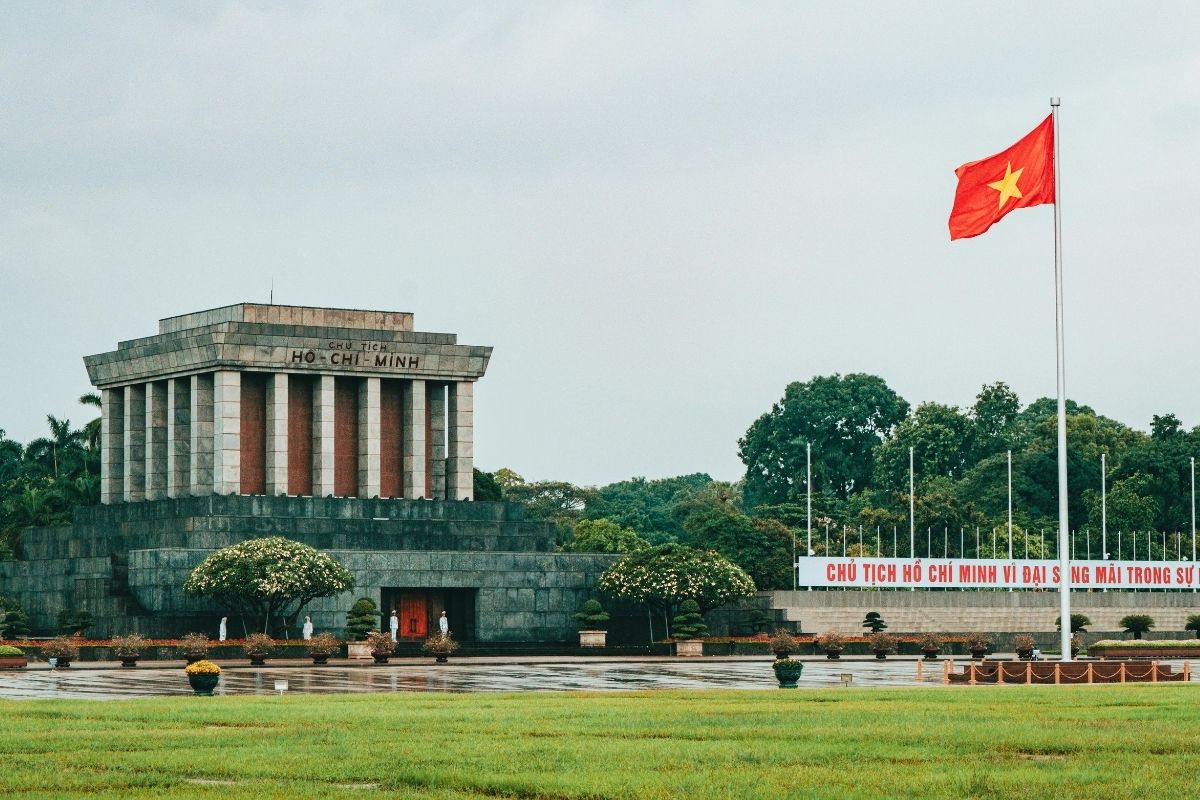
x=346, y=430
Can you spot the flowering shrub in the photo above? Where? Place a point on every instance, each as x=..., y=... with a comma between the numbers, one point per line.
x=883, y=642
x=8, y=651
x=63, y=647
x=663, y=577
x=257, y=644
x=194, y=645
x=783, y=642
x=1023, y=642
x=832, y=640
x=129, y=646
x=380, y=642
x=268, y=578
x=978, y=641
x=324, y=644
x=202, y=668
x=439, y=644
x=930, y=641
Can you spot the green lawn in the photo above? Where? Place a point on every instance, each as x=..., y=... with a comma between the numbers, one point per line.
x=1015, y=741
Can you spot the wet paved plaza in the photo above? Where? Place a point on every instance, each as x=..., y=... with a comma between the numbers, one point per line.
x=461, y=676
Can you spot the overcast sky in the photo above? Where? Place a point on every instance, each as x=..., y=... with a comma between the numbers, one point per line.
x=658, y=214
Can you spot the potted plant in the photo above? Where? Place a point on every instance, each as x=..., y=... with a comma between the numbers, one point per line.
x=782, y=644
x=62, y=649
x=440, y=646
x=257, y=647
x=128, y=648
x=592, y=618
x=687, y=629
x=832, y=643
x=322, y=646
x=787, y=672
x=1024, y=644
x=203, y=675
x=363, y=618
x=978, y=643
x=12, y=657
x=882, y=644
x=193, y=646
x=930, y=644
x=382, y=646
x=1076, y=644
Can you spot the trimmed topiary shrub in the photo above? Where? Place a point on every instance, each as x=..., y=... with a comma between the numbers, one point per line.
x=689, y=622
x=592, y=616
x=874, y=622
x=363, y=618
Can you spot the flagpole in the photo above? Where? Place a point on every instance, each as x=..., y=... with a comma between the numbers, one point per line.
x=1064, y=546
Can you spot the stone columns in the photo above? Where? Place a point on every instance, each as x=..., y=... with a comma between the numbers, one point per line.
x=179, y=437
x=368, y=437
x=435, y=398
x=323, y=436
x=112, y=445
x=201, y=434
x=134, y=487
x=413, y=440
x=277, y=434
x=156, y=440
x=460, y=472
x=227, y=432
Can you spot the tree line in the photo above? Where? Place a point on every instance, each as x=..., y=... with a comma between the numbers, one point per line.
x=860, y=431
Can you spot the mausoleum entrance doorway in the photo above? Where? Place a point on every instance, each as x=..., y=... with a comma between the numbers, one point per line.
x=419, y=609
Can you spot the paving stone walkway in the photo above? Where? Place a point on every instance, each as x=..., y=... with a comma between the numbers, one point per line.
x=462, y=675
x=109, y=681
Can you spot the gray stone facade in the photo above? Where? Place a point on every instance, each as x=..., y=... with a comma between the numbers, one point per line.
x=342, y=429
x=127, y=563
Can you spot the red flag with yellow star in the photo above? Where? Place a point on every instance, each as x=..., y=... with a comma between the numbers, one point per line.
x=1019, y=177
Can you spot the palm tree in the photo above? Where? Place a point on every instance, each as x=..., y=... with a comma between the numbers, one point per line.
x=57, y=448
x=91, y=431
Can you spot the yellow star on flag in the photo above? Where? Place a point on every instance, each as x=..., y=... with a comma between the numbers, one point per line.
x=1007, y=186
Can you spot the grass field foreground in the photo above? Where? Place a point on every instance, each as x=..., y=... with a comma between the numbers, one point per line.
x=994, y=742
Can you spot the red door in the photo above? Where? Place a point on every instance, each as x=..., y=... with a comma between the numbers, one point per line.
x=412, y=615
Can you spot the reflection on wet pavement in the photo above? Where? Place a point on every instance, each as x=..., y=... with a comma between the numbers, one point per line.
x=461, y=677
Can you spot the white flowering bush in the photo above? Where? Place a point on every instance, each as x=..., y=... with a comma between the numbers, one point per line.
x=268, y=579
x=663, y=577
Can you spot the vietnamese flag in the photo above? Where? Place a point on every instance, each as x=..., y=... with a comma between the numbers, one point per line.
x=1019, y=177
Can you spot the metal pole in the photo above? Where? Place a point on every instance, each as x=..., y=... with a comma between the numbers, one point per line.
x=1103, y=507
x=912, y=520
x=1009, y=505
x=1193, y=460
x=808, y=497
x=1064, y=586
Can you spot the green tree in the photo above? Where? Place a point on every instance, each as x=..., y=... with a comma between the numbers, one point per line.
x=664, y=576
x=844, y=418
x=268, y=579
x=603, y=536
x=486, y=487
x=943, y=441
x=762, y=547
x=1137, y=624
x=995, y=415
x=1131, y=505
x=649, y=506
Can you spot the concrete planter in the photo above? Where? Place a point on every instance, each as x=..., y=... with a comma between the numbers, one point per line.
x=687, y=648
x=358, y=650
x=1144, y=652
x=13, y=662
x=593, y=638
